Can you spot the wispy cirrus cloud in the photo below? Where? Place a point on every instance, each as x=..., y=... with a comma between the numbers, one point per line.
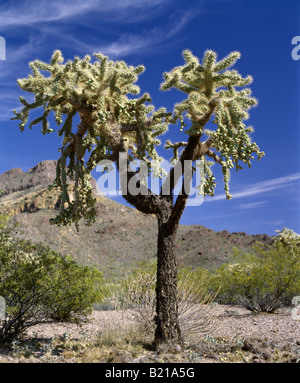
x=30, y=13
x=34, y=29
x=260, y=187
x=252, y=205
x=44, y=30
x=129, y=43
x=276, y=222
x=17, y=56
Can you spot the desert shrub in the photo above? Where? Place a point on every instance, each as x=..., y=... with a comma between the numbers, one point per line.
x=136, y=296
x=39, y=284
x=3, y=219
x=263, y=279
x=77, y=289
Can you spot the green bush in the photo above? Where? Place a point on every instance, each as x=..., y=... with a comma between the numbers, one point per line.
x=3, y=219
x=39, y=285
x=73, y=289
x=262, y=279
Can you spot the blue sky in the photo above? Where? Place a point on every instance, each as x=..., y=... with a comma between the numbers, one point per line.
x=154, y=33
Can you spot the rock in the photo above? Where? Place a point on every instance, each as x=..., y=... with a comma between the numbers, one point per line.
x=27, y=192
x=165, y=348
x=119, y=356
x=12, y=172
x=175, y=349
x=44, y=166
x=248, y=346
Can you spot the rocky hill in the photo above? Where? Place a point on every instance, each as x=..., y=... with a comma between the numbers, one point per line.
x=121, y=236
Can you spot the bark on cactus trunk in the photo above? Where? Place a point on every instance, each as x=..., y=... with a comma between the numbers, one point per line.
x=167, y=325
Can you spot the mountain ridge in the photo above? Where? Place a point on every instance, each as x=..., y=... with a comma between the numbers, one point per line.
x=121, y=236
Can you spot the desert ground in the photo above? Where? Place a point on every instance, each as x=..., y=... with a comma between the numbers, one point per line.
x=233, y=335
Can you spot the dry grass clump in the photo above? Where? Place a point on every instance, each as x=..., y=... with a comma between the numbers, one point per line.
x=195, y=306
x=137, y=299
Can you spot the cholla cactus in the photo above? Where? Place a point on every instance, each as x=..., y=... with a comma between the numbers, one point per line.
x=287, y=237
x=98, y=93
x=211, y=89
x=112, y=122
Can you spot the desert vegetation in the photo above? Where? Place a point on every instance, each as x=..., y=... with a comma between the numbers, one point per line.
x=43, y=288
x=164, y=307
x=263, y=279
x=39, y=285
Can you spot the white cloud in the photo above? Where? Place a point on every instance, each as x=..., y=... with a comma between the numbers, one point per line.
x=17, y=58
x=252, y=205
x=29, y=13
x=260, y=187
x=278, y=222
x=132, y=43
x=38, y=15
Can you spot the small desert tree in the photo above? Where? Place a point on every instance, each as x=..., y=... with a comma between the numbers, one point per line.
x=113, y=122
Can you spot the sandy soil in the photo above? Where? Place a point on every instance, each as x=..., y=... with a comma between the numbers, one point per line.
x=236, y=335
